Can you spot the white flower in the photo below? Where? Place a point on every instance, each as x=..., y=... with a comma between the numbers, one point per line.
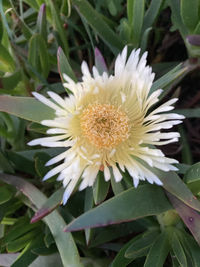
x=108, y=124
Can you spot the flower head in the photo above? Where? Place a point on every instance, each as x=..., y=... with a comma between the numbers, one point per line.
x=108, y=124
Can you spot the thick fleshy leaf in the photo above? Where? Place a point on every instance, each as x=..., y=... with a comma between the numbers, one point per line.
x=94, y=19
x=176, y=17
x=142, y=244
x=189, y=113
x=134, y=203
x=138, y=15
x=50, y=205
x=26, y=257
x=64, y=241
x=64, y=66
x=178, y=250
x=58, y=25
x=151, y=13
x=6, y=61
x=192, y=178
x=102, y=236
x=99, y=61
x=5, y=194
x=190, y=246
x=100, y=188
x=189, y=13
x=158, y=251
x=5, y=165
x=174, y=185
x=190, y=216
x=21, y=163
x=168, y=78
x=88, y=204
x=120, y=259
x=193, y=173
x=42, y=22
x=26, y=108
x=38, y=56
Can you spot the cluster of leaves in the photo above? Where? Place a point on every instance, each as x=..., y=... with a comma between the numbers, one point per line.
x=39, y=41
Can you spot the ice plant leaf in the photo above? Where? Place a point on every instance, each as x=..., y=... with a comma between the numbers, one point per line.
x=189, y=113
x=7, y=63
x=99, y=61
x=64, y=66
x=190, y=216
x=178, y=250
x=174, y=185
x=100, y=189
x=102, y=128
x=189, y=13
x=64, y=241
x=151, y=13
x=159, y=251
x=49, y=206
x=192, y=174
x=146, y=200
x=98, y=24
x=142, y=244
x=168, y=78
x=26, y=108
x=42, y=22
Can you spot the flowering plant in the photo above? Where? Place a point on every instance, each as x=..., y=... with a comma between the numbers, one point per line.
x=96, y=168
x=105, y=125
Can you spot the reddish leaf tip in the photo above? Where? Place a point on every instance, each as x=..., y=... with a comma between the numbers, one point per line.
x=40, y=214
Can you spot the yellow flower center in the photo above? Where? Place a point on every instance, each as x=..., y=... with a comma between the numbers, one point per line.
x=104, y=125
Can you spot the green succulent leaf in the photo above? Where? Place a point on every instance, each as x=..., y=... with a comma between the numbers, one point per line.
x=26, y=108
x=146, y=200
x=64, y=241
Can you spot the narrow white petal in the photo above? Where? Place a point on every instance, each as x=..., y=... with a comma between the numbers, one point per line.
x=54, y=171
x=135, y=182
x=117, y=175
x=45, y=101
x=57, y=98
x=106, y=173
x=56, y=131
x=69, y=190
x=57, y=158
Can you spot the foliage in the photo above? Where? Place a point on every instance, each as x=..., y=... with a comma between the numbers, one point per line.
x=112, y=224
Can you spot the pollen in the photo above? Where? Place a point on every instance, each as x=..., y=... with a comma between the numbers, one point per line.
x=104, y=125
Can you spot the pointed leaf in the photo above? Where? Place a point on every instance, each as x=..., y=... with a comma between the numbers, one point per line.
x=7, y=63
x=42, y=22
x=158, y=251
x=64, y=66
x=179, y=251
x=145, y=200
x=64, y=241
x=100, y=62
x=37, y=54
x=26, y=108
x=94, y=19
x=189, y=113
x=174, y=185
x=151, y=13
x=50, y=205
x=141, y=244
x=193, y=173
x=189, y=13
x=190, y=216
x=168, y=78
x=100, y=188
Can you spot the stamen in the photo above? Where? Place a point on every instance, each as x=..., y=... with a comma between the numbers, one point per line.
x=104, y=125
